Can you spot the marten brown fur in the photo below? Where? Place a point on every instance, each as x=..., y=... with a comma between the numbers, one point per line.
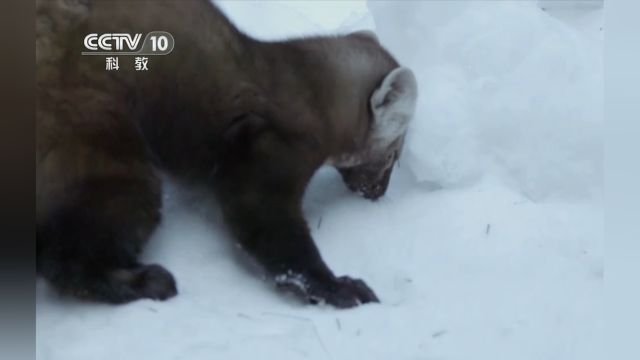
x=252, y=120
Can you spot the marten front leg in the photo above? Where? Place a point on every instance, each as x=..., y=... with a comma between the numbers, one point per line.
x=260, y=184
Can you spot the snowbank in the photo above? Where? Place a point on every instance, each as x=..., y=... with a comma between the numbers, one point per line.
x=293, y=18
x=505, y=89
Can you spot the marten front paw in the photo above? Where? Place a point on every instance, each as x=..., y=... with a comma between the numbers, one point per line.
x=342, y=292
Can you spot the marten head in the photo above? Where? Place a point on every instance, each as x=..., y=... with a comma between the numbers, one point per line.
x=391, y=105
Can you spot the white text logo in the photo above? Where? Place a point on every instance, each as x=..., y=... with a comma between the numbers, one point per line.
x=112, y=42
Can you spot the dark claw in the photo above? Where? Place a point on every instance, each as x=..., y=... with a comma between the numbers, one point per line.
x=344, y=292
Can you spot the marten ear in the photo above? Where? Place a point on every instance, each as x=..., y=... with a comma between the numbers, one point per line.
x=393, y=104
x=244, y=128
x=367, y=34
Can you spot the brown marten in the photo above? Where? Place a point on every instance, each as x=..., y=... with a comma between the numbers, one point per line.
x=252, y=120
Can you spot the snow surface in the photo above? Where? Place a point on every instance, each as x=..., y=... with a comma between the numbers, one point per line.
x=488, y=244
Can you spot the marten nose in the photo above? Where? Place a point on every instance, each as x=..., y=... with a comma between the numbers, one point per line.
x=374, y=192
x=371, y=184
x=379, y=187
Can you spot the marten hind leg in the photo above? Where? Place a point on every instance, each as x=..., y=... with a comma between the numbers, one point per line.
x=88, y=245
x=98, y=199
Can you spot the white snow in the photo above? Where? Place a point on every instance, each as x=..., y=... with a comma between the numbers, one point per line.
x=488, y=244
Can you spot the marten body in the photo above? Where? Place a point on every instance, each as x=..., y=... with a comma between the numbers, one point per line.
x=251, y=120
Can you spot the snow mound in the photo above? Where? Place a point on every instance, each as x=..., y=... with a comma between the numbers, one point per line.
x=505, y=89
x=293, y=18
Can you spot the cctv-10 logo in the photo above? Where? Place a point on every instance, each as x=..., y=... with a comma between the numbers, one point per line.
x=107, y=42
x=155, y=43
